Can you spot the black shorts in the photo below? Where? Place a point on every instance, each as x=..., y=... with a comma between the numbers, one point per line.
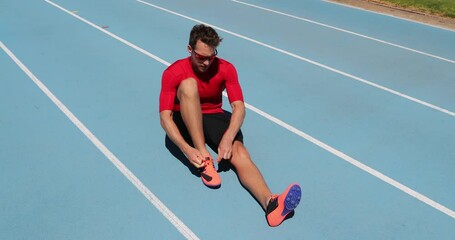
x=214, y=125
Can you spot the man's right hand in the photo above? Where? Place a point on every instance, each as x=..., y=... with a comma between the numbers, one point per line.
x=195, y=156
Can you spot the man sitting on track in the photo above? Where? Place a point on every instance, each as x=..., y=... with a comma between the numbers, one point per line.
x=191, y=115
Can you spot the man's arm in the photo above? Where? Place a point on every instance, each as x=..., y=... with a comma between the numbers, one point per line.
x=238, y=115
x=173, y=133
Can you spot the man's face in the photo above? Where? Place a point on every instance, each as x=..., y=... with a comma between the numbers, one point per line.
x=202, y=56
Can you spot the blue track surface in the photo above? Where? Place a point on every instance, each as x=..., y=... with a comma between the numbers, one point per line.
x=357, y=107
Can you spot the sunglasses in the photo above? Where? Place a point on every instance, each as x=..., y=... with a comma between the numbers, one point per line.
x=204, y=58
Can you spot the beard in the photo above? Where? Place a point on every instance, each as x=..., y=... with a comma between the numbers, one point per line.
x=201, y=67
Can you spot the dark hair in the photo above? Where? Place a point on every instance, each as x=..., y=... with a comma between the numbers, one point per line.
x=206, y=34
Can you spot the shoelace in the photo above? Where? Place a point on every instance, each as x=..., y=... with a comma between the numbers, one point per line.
x=207, y=163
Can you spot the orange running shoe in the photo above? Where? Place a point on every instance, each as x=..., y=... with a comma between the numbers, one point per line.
x=281, y=205
x=209, y=175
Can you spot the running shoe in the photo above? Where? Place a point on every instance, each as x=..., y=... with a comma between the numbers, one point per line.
x=209, y=175
x=281, y=205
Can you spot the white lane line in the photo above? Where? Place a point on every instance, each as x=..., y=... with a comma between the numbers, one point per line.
x=171, y=217
x=108, y=33
x=315, y=141
x=311, y=61
x=346, y=31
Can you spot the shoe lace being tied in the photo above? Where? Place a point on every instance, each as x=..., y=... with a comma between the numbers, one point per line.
x=208, y=162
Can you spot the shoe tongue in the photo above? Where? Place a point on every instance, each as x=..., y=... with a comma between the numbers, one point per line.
x=273, y=204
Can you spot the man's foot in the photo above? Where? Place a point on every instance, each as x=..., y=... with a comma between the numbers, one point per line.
x=209, y=175
x=281, y=205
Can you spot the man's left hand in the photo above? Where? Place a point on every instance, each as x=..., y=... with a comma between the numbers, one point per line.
x=224, y=149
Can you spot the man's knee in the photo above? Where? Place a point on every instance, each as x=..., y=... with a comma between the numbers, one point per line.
x=240, y=154
x=188, y=89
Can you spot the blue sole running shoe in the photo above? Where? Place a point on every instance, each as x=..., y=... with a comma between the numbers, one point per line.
x=281, y=205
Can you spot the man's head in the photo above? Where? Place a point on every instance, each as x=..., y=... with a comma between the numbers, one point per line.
x=202, y=46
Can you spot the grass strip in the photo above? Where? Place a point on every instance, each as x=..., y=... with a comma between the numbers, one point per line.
x=444, y=8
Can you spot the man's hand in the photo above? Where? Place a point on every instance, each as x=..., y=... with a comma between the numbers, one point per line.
x=195, y=156
x=224, y=149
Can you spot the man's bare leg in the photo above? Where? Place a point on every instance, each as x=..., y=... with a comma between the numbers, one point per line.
x=190, y=109
x=249, y=175
x=278, y=207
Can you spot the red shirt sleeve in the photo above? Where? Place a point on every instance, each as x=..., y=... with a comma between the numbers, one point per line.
x=169, y=84
x=233, y=88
